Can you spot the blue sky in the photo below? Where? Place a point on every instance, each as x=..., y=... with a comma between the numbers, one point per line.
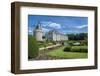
x=64, y=24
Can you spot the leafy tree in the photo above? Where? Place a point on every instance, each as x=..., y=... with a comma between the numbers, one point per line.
x=32, y=47
x=80, y=36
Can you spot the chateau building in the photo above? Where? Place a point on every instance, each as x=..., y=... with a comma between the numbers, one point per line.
x=51, y=35
x=56, y=36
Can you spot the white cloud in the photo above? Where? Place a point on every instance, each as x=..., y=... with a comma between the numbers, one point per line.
x=74, y=27
x=45, y=30
x=30, y=31
x=70, y=31
x=44, y=24
x=82, y=26
x=55, y=25
x=51, y=25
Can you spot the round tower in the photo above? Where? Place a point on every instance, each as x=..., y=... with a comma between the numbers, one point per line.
x=38, y=33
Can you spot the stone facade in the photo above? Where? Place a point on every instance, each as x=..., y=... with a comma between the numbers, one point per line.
x=56, y=36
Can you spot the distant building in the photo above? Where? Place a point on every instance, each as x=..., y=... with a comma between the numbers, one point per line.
x=56, y=36
x=51, y=35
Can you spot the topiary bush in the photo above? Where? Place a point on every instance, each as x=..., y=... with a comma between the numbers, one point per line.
x=75, y=49
x=32, y=47
x=84, y=49
x=54, y=42
x=67, y=49
x=84, y=42
x=79, y=49
x=70, y=43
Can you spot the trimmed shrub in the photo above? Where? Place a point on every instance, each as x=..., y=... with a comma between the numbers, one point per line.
x=32, y=47
x=67, y=49
x=70, y=43
x=75, y=49
x=76, y=44
x=54, y=42
x=79, y=49
x=84, y=42
x=84, y=49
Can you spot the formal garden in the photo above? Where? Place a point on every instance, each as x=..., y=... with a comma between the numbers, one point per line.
x=75, y=47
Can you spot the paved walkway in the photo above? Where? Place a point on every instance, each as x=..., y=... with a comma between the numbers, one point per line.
x=50, y=47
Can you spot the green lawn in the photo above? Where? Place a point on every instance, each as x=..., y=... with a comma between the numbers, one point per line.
x=67, y=55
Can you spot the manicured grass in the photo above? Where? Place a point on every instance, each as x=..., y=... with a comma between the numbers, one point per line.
x=67, y=55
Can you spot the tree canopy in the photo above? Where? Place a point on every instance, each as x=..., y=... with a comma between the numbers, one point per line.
x=78, y=36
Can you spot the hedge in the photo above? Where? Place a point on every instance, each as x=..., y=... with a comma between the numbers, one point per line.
x=79, y=49
x=76, y=49
x=67, y=49
x=32, y=47
x=84, y=42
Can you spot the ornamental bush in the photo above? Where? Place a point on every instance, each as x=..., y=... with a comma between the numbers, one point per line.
x=79, y=49
x=67, y=49
x=84, y=42
x=32, y=47
x=84, y=49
